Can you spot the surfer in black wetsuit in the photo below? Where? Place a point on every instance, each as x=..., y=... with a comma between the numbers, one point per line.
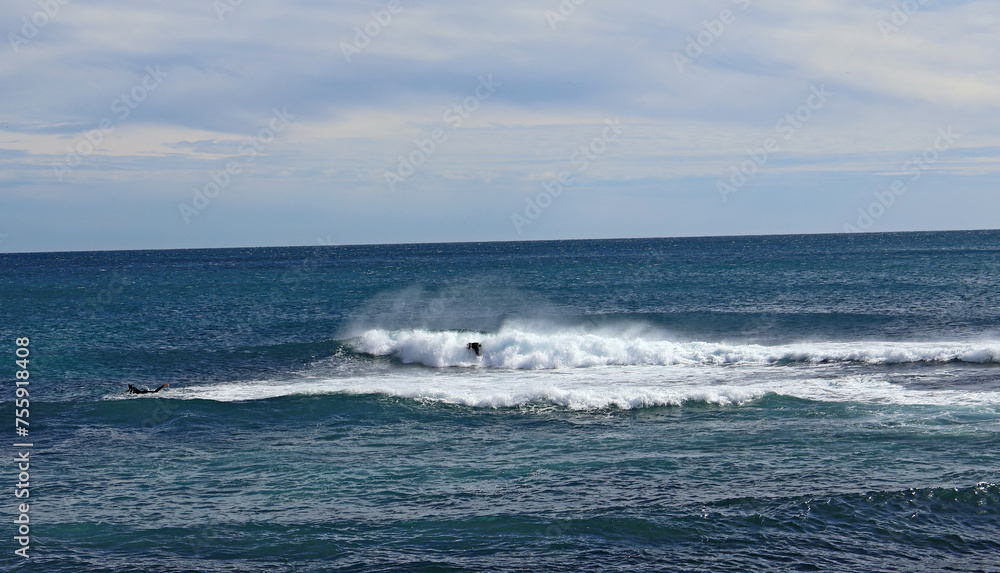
x=133, y=390
x=475, y=347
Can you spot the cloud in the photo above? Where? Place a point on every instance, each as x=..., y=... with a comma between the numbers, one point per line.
x=368, y=80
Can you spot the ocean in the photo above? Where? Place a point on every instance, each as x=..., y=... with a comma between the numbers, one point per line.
x=783, y=403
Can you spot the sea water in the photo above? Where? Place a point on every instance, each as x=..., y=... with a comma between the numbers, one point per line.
x=803, y=403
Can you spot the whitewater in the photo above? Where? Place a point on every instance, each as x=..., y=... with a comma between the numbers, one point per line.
x=517, y=349
x=626, y=368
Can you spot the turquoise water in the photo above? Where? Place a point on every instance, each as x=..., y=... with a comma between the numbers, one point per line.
x=719, y=404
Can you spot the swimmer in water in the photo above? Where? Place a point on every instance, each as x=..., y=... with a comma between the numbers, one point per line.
x=475, y=347
x=133, y=390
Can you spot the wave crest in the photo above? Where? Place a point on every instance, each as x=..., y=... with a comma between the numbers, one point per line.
x=516, y=349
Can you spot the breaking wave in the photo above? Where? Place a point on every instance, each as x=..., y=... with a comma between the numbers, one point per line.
x=518, y=349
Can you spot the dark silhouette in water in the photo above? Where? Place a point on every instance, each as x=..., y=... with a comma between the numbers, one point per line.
x=133, y=390
x=476, y=347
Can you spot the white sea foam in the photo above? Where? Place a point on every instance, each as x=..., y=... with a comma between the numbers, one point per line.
x=516, y=349
x=629, y=387
x=626, y=369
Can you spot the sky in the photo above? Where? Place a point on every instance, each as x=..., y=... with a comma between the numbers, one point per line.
x=222, y=123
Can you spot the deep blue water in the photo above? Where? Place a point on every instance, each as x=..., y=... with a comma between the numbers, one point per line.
x=795, y=403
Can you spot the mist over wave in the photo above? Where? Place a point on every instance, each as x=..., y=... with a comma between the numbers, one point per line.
x=515, y=348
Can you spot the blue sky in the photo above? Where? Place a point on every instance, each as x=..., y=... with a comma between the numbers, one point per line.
x=211, y=123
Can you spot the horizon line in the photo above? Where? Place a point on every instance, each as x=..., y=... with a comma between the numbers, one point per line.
x=432, y=243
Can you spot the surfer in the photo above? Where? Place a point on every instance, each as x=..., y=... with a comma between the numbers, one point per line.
x=133, y=390
x=475, y=347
